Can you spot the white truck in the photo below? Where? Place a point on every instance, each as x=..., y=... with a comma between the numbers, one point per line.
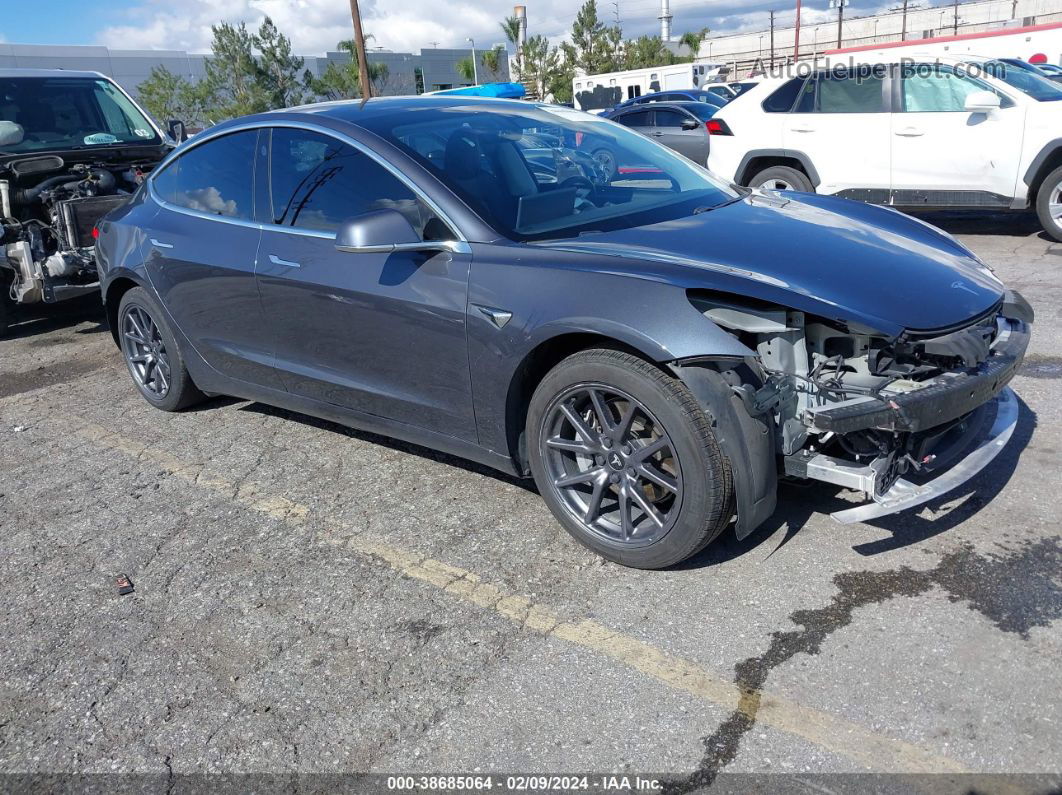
x=597, y=93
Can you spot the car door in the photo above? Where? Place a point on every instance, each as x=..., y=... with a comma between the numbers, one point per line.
x=940, y=148
x=840, y=123
x=383, y=334
x=672, y=130
x=201, y=251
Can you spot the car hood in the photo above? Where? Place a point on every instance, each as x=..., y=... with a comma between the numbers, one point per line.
x=838, y=259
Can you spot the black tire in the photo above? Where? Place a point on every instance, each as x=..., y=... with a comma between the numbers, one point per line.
x=1050, y=193
x=699, y=505
x=180, y=392
x=783, y=178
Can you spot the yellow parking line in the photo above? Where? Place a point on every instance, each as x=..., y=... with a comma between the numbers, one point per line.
x=870, y=749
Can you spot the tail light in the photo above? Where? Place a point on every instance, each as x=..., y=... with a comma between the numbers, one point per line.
x=95, y=233
x=717, y=127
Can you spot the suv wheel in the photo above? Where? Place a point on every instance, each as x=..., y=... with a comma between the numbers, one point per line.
x=1049, y=204
x=625, y=458
x=782, y=178
x=152, y=354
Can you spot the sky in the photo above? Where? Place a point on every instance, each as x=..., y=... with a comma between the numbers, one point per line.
x=315, y=26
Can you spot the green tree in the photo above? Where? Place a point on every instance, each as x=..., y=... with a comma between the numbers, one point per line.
x=693, y=39
x=492, y=61
x=511, y=28
x=647, y=51
x=342, y=81
x=170, y=96
x=587, y=47
x=466, y=68
x=278, y=67
x=540, y=64
x=233, y=81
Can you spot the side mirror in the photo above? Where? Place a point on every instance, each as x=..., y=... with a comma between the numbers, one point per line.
x=690, y=124
x=385, y=232
x=982, y=102
x=175, y=127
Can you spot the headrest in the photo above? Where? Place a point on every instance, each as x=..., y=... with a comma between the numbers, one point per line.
x=462, y=155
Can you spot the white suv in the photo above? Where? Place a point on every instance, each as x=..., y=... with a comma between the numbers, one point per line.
x=923, y=133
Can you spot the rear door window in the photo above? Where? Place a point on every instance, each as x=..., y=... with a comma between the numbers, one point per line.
x=641, y=118
x=782, y=100
x=216, y=177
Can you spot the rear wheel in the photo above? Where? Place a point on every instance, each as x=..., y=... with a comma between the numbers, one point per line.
x=625, y=458
x=1049, y=204
x=782, y=178
x=152, y=354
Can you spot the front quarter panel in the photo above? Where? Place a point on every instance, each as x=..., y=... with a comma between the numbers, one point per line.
x=555, y=293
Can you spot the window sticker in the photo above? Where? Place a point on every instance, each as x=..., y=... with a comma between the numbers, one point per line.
x=101, y=138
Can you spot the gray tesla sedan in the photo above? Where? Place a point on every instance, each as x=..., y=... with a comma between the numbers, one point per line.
x=556, y=296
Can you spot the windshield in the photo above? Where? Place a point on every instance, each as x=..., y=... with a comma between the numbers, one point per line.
x=545, y=171
x=1026, y=80
x=48, y=113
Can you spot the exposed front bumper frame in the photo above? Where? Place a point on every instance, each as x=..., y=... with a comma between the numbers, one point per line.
x=904, y=494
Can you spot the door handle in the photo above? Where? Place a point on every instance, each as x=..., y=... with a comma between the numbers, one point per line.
x=801, y=129
x=656, y=134
x=910, y=132
x=160, y=244
x=278, y=261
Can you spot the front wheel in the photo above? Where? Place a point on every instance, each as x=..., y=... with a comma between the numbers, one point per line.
x=625, y=458
x=1049, y=204
x=782, y=178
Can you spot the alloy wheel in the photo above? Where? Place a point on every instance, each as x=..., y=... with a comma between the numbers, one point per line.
x=1054, y=205
x=776, y=184
x=145, y=353
x=612, y=464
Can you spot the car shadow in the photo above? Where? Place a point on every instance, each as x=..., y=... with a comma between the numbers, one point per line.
x=386, y=441
x=36, y=319
x=969, y=222
x=798, y=502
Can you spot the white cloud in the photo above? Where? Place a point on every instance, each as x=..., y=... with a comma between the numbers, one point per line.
x=315, y=26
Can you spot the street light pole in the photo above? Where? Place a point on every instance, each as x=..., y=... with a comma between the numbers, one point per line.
x=359, y=43
x=475, y=69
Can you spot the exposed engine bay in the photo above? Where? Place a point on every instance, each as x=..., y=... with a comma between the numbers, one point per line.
x=49, y=210
x=858, y=409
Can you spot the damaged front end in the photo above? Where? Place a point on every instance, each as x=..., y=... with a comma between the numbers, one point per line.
x=902, y=419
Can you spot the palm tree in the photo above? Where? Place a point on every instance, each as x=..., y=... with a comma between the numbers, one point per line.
x=511, y=28
x=692, y=39
x=492, y=60
x=466, y=67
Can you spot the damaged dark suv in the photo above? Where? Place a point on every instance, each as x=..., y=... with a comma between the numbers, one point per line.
x=73, y=146
x=656, y=347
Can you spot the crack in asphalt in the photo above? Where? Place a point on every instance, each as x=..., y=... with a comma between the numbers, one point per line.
x=1015, y=592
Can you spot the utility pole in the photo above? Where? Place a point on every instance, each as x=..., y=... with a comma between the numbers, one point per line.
x=839, y=5
x=616, y=12
x=796, y=34
x=903, y=28
x=772, y=41
x=955, y=29
x=359, y=43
